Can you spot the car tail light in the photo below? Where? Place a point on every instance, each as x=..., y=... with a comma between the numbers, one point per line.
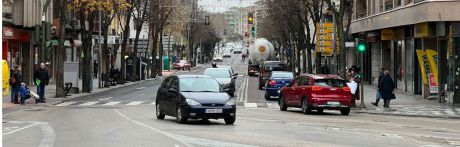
x=271, y=82
x=316, y=88
x=347, y=89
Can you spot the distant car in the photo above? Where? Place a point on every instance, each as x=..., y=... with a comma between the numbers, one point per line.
x=238, y=51
x=276, y=81
x=217, y=59
x=182, y=65
x=224, y=77
x=253, y=69
x=266, y=68
x=194, y=97
x=226, y=54
x=316, y=92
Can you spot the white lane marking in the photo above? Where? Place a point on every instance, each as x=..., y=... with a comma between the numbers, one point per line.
x=65, y=104
x=111, y=103
x=246, y=90
x=88, y=103
x=134, y=103
x=140, y=88
x=105, y=99
x=49, y=136
x=188, y=141
x=28, y=126
x=250, y=105
x=149, y=127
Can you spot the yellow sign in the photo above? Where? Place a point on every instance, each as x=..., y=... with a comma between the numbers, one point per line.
x=262, y=49
x=387, y=34
x=325, y=25
x=5, y=78
x=324, y=37
x=433, y=59
x=424, y=66
x=324, y=43
x=421, y=30
x=326, y=31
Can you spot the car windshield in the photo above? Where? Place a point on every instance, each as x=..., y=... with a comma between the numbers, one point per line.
x=282, y=75
x=274, y=67
x=199, y=85
x=330, y=82
x=217, y=73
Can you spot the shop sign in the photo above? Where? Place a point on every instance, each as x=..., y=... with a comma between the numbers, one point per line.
x=433, y=85
x=387, y=34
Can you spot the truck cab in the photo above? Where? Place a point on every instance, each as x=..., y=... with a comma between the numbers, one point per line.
x=266, y=67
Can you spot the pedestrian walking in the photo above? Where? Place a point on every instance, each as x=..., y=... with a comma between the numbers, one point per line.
x=15, y=83
x=41, y=79
x=354, y=76
x=243, y=56
x=386, y=88
x=378, y=95
x=95, y=68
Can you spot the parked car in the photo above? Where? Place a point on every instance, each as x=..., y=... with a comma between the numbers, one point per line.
x=316, y=92
x=217, y=58
x=266, y=68
x=194, y=97
x=182, y=65
x=277, y=80
x=226, y=54
x=225, y=78
x=238, y=51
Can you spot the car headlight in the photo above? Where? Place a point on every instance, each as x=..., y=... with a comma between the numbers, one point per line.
x=192, y=102
x=230, y=102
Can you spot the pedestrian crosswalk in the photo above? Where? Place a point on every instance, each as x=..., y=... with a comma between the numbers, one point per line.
x=114, y=103
x=136, y=103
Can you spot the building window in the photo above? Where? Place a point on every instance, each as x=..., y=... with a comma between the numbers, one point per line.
x=388, y=5
x=397, y=3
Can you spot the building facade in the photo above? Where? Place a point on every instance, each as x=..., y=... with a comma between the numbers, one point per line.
x=402, y=34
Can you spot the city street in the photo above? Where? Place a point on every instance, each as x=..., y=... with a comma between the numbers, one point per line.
x=126, y=117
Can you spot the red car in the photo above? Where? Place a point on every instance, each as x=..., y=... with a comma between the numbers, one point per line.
x=182, y=64
x=316, y=92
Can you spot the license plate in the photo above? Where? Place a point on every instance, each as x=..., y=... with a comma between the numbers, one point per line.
x=333, y=103
x=213, y=110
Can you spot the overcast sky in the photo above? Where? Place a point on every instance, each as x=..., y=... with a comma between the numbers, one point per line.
x=223, y=5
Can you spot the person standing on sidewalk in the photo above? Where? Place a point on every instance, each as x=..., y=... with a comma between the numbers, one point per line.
x=386, y=88
x=41, y=79
x=378, y=95
x=15, y=82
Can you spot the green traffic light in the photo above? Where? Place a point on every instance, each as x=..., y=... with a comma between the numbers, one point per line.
x=361, y=47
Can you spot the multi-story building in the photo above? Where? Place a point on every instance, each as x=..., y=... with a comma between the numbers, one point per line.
x=22, y=36
x=395, y=30
x=232, y=16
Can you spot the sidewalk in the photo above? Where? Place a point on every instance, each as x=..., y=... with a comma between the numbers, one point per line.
x=407, y=104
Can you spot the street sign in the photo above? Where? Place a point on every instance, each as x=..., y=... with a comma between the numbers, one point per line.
x=324, y=39
x=349, y=44
x=326, y=31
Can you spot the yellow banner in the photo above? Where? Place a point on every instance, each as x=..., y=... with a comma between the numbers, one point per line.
x=424, y=65
x=433, y=59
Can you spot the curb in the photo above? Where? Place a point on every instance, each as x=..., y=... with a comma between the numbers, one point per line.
x=409, y=115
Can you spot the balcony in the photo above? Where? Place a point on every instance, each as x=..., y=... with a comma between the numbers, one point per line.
x=361, y=13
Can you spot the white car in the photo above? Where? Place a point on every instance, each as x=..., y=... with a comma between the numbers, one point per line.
x=217, y=59
x=227, y=54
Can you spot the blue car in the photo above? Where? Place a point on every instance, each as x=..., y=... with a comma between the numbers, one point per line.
x=276, y=81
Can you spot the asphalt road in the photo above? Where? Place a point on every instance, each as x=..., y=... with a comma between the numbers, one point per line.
x=126, y=117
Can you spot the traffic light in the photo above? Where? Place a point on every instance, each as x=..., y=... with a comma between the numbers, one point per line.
x=253, y=31
x=250, y=18
x=361, y=44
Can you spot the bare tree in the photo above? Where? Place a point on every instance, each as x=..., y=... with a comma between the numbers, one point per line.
x=140, y=16
x=60, y=52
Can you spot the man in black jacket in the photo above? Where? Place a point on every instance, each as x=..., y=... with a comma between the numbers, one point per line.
x=41, y=78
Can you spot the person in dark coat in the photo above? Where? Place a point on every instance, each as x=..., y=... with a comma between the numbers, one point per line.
x=41, y=79
x=386, y=88
x=378, y=95
x=15, y=84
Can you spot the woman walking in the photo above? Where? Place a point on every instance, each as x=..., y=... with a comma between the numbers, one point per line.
x=386, y=88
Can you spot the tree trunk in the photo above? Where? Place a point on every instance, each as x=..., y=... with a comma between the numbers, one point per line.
x=318, y=62
x=123, y=48
x=105, y=61
x=87, y=54
x=60, y=52
x=154, y=52
x=160, y=54
x=136, y=40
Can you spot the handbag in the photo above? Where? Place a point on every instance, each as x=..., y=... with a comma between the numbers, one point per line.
x=393, y=96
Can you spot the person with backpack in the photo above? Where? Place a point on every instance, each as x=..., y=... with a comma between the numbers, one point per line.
x=41, y=78
x=15, y=82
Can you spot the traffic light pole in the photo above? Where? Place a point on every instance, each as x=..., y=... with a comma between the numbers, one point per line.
x=361, y=85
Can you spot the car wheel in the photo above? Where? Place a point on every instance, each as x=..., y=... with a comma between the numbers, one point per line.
x=320, y=110
x=180, y=116
x=230, y=120
x=345, y=111
x=306, y=109
x=158, y=112
x=282, y=104
x=267, y=97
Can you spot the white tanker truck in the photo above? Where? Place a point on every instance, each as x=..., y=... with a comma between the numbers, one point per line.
x=260, y=50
